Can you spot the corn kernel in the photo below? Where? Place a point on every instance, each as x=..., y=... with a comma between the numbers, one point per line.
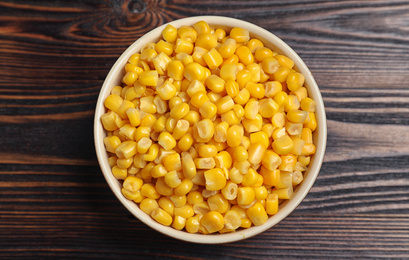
x=234, y=135
x=240, y=35
x=169, y=34
x=212, y=222
x=245, y=196
x=245, y=55
x=215, y=179
x=161, y=217
x=167, y=141
x=308, y=104
x=283, y=145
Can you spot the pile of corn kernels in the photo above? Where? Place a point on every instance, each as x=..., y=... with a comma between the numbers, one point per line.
x=210, y=130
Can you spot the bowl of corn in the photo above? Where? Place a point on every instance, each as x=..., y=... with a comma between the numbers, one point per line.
x=210, y=129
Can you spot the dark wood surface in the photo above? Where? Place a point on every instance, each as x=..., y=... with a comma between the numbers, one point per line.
x=54, y=201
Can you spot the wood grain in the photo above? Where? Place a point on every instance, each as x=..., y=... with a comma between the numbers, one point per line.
x=54, y=201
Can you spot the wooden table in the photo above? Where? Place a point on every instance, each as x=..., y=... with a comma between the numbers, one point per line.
x=54, y=201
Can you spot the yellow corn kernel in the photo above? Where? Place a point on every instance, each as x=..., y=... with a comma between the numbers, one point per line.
x=201, y=207
x=212, y=222
x=126, y=104
x=228, y=72
x=109, y=119
x=199, y=98
x=270, y=177
x=293, y=129
x=272, y=204
x=256, y=153
x=227, y=48
x=134, y=59
x=201, y=27
x=235, y=176
x=164, y=47
x=163, y=189
x=234, y=135
x=149, y=191
x=167, y=205
x=175, y=69
x=192, y=224
x=297, y=178
x=232, y=220
x=149, y=78
x=257, y=214
x=215, y=179
x=253, y=125
x=308, y=149
x=232, y=88
x=311, y=122
x=270, y=65
x=308, y=104
x=147, y=52
x=251, y=109
x=213, y=58
x=169, y=34
x=215, y=83
x=292, y=104
x=119, y=173
x=297, y=116
x=172, y=162
x=288, y=162
x=167, y=141
x=166, y=91
x=229, y=191
x=126, y=149
x=272, y=88
x=205, y=163
x=185, y=142
x=220, y=132
x=194, y=197
x=160, y=62
x=207, y=41
x=197, y=55
x=139, y=161
x=238, y=111
x=184, y=187
x=180, y=129
x=143, y=145
x=183, y=46
x=179, y=111
x=143, y=65
x=306, y=135
x=147, y=105
x=263, y=52
x=111, y=143
x=178, y=200
x=224, y=104
x=281, y=98
x=223, y=160
x=256, y=90
x=261, y=192
x=208, y=110
x=242, y=97
x=250, y=178
x=194, y=71
x=112, y=161
x=231, y=60
x=268, y=108
x=141, y=132
x=185, y=211
x=130, y=78
x=283, y=145
x=172, y=179
x=254, y=44
x=245, y=55
x=220, y=34
x=159, y=124
x=187, y=33
x=161, y=217
x=205, y=129
x=148, y=120
x=240, y=153
x=113, y=102
x=207, y=150
x=268, y=129
x=271, y=160
x=281, y=74
x=178, y=222
x=245, y=196
x=148, y=205
x=240, y=35
x=242, y=77
x=245, y=223
x=285, y=193
x=285, y=61
x=260, y=138
x=158, y=171
x=278, y=120
x=218, y=203
x=300, y=93
x=192, y=117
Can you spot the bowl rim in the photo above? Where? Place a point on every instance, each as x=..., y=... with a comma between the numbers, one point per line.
x=302, y=190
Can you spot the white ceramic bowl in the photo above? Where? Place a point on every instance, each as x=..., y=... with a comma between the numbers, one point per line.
x=271, y=41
